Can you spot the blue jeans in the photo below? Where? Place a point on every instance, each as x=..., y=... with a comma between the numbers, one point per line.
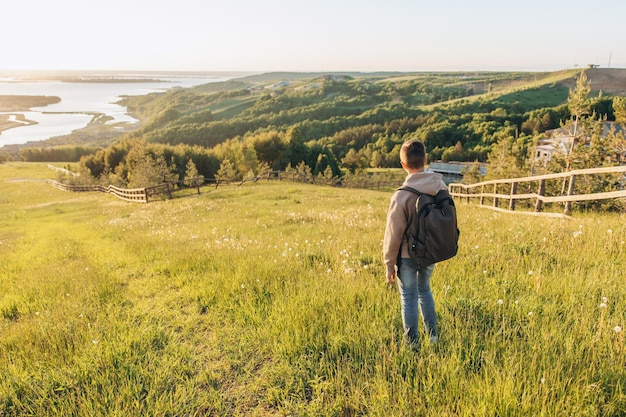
x=414, y=286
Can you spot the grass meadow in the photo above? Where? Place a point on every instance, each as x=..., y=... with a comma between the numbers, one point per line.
x=269, y=299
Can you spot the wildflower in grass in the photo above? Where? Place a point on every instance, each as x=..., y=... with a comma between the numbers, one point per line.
x=94, y=341
x=243, y=286
x=500, y=301
x=602, y=305
x=617, y=329
x=476, y=247
x=577, y=233
x=605, y=299
x=543, y=380
x=530, y=314
x=530, y=272
x=484, y=272
x=609, y=231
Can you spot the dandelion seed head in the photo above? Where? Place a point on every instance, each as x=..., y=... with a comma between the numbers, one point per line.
x=543, y=380
x=500, y=301
x=530, y=272
x=243, y=286
x=617, y=329
x=484, y=272
x=602, y=305
x=609, y=231
x=605, y=299
x=530, y=314
x=94, y=341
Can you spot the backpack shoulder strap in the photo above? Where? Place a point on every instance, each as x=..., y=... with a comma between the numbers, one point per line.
x=406, y=188
x=408, y=225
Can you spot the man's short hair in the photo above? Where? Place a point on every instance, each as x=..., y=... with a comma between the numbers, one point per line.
x=413, y=154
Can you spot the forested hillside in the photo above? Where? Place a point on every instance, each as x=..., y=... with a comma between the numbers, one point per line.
x=333, y=124
x=368, y=114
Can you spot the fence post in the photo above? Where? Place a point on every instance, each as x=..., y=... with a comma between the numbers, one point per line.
x=145, y=194
x=169, y=190
x=495, y=191
x=540, y=192
x=482, y=197
x=570, y=191
x=512, y=200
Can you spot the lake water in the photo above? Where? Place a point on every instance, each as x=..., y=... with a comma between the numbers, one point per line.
x=76, y=100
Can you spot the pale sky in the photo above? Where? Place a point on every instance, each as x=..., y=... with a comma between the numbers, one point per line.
x=312, y=35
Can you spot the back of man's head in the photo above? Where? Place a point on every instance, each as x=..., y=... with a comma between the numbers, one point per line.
x=413, y=154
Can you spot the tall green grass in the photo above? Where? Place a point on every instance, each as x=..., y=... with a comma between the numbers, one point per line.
x=269, y=300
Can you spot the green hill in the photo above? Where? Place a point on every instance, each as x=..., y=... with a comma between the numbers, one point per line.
x=322, y=106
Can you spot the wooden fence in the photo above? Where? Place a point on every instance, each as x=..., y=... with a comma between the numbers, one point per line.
x=140, y=195
x=562, y=190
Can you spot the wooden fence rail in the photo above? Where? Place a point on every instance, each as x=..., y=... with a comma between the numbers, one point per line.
x=490, y=190
x=140, y=195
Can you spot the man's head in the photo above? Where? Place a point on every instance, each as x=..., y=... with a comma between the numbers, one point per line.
x=413, y=155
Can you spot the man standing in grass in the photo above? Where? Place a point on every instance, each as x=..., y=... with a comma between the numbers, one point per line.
x=413, y=280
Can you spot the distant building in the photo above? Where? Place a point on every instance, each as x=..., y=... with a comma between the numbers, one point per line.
x=560, y=140
x=452, y=171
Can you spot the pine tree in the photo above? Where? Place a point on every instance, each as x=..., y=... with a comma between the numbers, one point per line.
x=227, y=171
x=579, y=105
x=619, y=109
x=191, y=174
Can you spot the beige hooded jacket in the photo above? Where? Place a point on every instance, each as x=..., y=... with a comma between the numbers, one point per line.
x=400, y=213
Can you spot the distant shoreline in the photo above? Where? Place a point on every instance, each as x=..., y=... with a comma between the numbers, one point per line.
x=13, y=106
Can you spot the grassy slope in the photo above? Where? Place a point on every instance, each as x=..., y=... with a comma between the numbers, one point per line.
x=268, y=299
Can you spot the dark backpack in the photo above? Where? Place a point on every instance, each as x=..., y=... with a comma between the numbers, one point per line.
x=433, y=235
